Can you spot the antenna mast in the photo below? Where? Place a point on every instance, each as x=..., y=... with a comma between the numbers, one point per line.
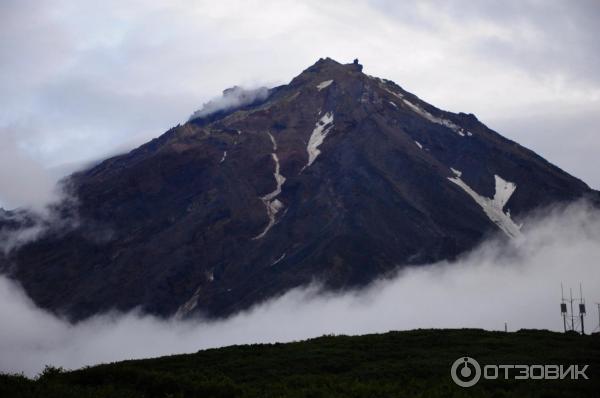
x=563, y=307
x=581, y=308
x=598, y=304
x=564, y=311
x=572, y=315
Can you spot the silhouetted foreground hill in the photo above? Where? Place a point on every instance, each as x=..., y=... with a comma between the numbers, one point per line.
x=396, y=364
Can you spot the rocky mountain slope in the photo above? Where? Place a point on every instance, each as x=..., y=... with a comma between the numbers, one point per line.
x=338, y=177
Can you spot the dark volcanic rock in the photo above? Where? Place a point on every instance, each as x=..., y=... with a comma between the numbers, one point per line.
x=198, y=221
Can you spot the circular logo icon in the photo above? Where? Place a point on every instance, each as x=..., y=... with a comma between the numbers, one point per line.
x=465, y=372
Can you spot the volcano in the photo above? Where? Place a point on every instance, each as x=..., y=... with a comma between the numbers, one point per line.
x=337, y=177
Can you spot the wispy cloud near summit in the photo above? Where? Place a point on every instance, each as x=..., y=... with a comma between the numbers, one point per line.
x=232, y=98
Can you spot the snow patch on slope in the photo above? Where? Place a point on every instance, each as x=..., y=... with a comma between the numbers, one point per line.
x=324, y=84
x=273, y=142
x=504, y=190
x=322, y=128
x=419, y=145
x=493, y=208
x=397, y=95
x=272, y=204
x=189, y=305
x=224, y=157
x=419, y=110
x=438, y=120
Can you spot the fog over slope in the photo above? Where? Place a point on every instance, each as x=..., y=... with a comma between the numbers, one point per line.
x=516, y=282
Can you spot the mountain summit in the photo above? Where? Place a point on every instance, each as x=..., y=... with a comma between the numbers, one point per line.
x=338, y=177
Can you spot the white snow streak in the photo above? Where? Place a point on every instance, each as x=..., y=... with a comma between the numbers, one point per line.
x=397, y=95
x=324, y=84
x=322, y=128
x=444, y=122
x=273, y=142
x=438, y=120
x=419, y=145
x=393, y=104
x=456, y=172
x=279, y=259
x=192, y=303
x=417, y=109
x=224, y=157
x=279, y=179
x=504, y=190
x=493, y=208
x=272, y=205
x=189, y=305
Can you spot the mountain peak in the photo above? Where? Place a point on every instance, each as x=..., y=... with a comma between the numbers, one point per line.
x=324, y=62
x=330, y=64
x=326, y=69
x=338, y=177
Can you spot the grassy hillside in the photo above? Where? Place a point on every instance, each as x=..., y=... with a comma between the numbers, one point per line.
x=396, y=364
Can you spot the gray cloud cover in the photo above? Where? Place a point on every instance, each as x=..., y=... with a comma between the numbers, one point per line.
x=82, y=80
x=516, y=282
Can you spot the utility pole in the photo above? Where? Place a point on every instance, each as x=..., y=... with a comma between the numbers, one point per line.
x=572, y=315
x=564, y=312
x=563, y=307
x=581, y=308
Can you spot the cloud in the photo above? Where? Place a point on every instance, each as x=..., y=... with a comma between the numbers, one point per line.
x=14, y=238
x=517, y=282
x=23, y=180
x=21, y=226
x=575, y=128
x=234, y=97
x=81, y=81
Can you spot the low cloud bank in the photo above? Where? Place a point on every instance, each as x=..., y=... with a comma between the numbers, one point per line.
x=233, y=97
x=21, y=226
x=517, y=282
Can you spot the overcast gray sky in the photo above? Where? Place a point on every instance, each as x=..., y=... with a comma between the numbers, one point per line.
x=84, y=79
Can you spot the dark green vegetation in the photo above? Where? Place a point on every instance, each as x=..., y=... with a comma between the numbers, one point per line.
x=396, y=364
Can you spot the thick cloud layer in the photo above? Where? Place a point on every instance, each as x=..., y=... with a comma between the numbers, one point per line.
x=516, y=282
x=84, y=79
x=234, y=97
